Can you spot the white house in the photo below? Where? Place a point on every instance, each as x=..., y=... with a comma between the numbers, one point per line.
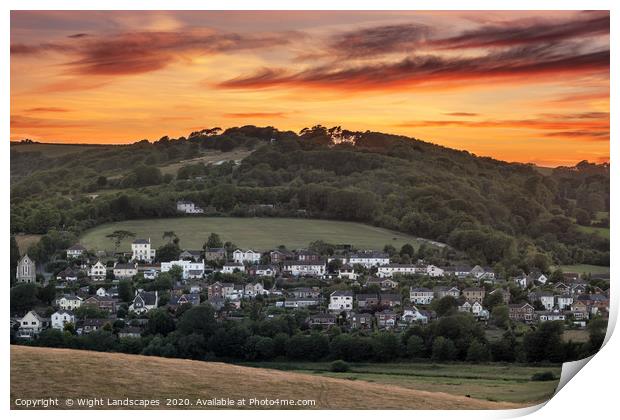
x=413, y=315
x=188, y=207
x=75, y=251
x=246, y=256
x=564, y=301
x=141, y=250
x=421, y=295
x=31, y=325
x=98, y=271
x=546, y=298
x=474, y=307
x=230, y=268
x=253, y=290
x=434, y=271
x=125, y=271
x=390, y=270
x=144, y=302
x=62, y=317
x=69, y=302
x=347, y=272
x=150, y=274
x=341, y=301
x=304, y=268
x=551, y=316
x=191, y=269
x=369, y=259
x=264, y=271
x=101, y=292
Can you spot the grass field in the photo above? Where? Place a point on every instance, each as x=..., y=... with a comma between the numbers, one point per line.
x=65, y=373
x=209, y=158
x=492, y=382
x=585, y=268
x=601, y=231
x=259, y=233
x=24, y=242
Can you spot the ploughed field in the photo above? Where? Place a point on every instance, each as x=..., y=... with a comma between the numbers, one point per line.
x=261, y=234
x=65, y=373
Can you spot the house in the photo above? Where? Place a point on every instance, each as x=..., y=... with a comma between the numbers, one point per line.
x=300, y=302
x=190, y=269
x=304, y=268
x=521, y=312
x=150, y=274
x=279, y=256
x=321, y=320
x=125, y=270
x=361, y=321
x=367, y=300
x=522, y=281
x=249, y=256
x=233, y=267
x=564, y=301
x=130, y=332
x=443, y=291
x=505, y=295
x=420, y=295
x=61, y=318
x=546, y=299
x=536, y=278
x=434, y=271
x=474, y=293
x=141, y=250
x=305, y=292
x=369, y=259
x=346, y=271
x=101, y=292
x=184, y=299
x=75, y=251
x=389, y=299
x=341, y=300
x=386, y=319
x=413, y=315
x=90, y=325
x=482, y=273
x=562, y=288
x=68, y=274
x=31, y=325
x=262, y=271
x=98, y=271
x=188, y=207
x=308, y=256
x=26, y=270
x=218, y=289
x=474, y=307
x=144, y=302
x=104, y=303
x=383, y=284
x=69, y=302
x=190, y=255
x=550, y=316
x=570, y=277
x=460, y=271
x=215, y=254
x=580, y=310
x=388, y=271
x=252, y=290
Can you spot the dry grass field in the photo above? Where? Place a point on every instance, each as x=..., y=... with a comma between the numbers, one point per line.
x=25, y=241
x=64, y=373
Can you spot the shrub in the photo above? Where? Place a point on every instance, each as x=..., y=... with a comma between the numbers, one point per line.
x=543, y=376
x=339, y=366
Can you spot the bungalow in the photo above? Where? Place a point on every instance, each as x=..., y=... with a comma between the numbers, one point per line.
x=361, y=321
x=521, y=312
x=61, y=318
x=69, y=302
x=215, y=254
x=144, y=302
x=141, y=250
x=31, y=325
x=474, y=293
x=233, y=267
x=369, y=259
x=125, y=271
x=321, y=320
x=249, y=256
x=75, y=251
x=190, y=269
x=420, y=295
x=367, y=300
x=443, y=291
x=347, y=272
x=98, y=271
x=304, y=268
x=341, y=300
x=386, y=319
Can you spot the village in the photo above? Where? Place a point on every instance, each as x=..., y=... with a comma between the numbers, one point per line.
x=353, y=289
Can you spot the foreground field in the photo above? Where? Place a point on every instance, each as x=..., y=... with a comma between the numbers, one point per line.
x=63, y=373
x=258, y=233
x=492, y=382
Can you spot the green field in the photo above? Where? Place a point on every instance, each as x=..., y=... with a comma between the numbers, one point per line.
x=492, y=382
x=585, y=268
x=258, y=233
x=601, y=231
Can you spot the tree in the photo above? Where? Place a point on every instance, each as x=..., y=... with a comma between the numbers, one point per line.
x=168, y=252
x=407, y=249
x=582, y=217
x=214, y=241
x=160, y=322
x=125, y=291
x=118, y=236
x=545, y=343
x=47, y=294
x=199, y=319
x=443, y=349
x=445, y=306
x=477, y=352
x=23, y=297
x=415, y=346
x=170, y=235
x=500, y=316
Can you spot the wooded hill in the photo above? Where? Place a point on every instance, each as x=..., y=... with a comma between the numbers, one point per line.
x=496, y=212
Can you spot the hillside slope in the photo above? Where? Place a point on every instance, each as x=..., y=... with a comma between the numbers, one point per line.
x=65, y=373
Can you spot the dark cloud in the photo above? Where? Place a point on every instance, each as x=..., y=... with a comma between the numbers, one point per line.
x=80, y=35
x=47, y=109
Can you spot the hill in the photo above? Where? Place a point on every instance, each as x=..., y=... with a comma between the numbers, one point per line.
x=258, y=233
x=84, y=374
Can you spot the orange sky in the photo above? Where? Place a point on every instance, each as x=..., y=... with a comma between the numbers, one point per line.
x=518, y=86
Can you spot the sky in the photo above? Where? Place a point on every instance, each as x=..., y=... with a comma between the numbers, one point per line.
x=516, y=86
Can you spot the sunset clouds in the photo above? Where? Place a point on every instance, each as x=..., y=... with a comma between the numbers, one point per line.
x=526, y=86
